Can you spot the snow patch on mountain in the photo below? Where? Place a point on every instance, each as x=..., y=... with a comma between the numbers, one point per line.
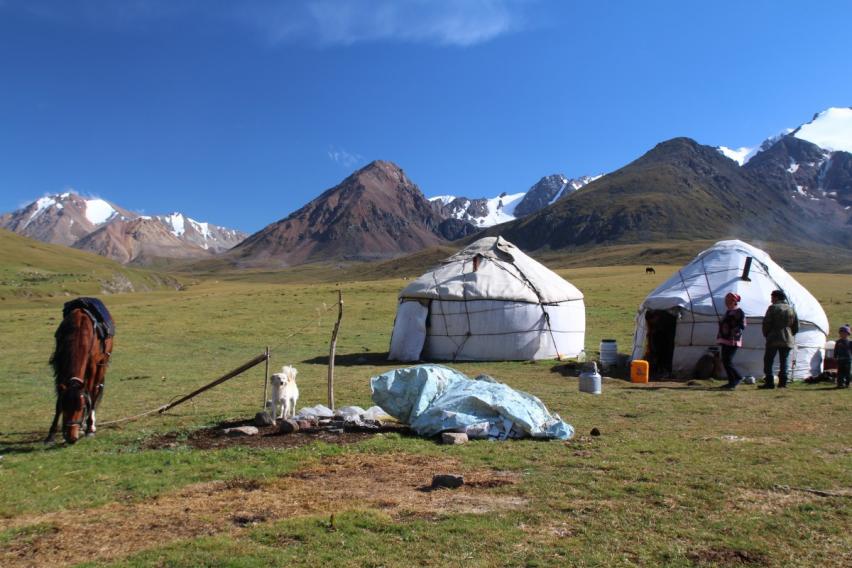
x=574, y=184
x=42, y=204
x=444, y=199
x=98, y=211
x=738, y=155
x=482, y=212
x=830, y=129
x=743, y=154
x=561, y=190
x=175, y=223
x=500, y=210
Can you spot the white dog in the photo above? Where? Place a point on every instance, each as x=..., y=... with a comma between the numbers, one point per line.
x=285, y=393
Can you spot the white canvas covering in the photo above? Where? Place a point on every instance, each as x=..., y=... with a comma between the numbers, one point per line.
x=489, y=302
x=695, y=294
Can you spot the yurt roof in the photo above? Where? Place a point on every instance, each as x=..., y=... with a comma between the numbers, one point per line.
x=503, y=272
x=701, y=285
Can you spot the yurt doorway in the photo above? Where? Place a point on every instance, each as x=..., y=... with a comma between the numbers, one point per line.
x=660, y=326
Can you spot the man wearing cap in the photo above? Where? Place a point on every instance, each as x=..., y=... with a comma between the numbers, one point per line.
x=780, y=326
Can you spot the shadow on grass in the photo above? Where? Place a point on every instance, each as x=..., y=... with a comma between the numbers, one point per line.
x=34, y=442
x=678, y=386
x=352, y=359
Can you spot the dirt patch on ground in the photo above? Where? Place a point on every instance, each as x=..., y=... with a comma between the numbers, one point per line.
x=393, y=483
x=215, y=438
x=780, y=498
x=727, y=557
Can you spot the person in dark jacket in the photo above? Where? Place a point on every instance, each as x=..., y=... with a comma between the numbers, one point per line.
x=843, y=354
x=730, y=337
x=780, y=326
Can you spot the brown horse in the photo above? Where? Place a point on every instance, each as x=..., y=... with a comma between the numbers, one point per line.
x=83, y=347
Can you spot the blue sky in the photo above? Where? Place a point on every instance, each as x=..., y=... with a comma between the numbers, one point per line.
x=238, y=113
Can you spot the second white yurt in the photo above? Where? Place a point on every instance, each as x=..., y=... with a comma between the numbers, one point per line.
x=488, y=302
x=678, y=322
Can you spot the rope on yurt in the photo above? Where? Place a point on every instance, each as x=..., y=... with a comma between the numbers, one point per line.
x=709, y=289
x=444, y=316
x=466, y=313
x=546, y=315
x=691, y=307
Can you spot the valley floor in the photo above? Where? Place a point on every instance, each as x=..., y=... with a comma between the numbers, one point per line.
x=680, y=476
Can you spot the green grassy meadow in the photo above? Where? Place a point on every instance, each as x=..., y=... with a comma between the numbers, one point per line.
x=680, y=475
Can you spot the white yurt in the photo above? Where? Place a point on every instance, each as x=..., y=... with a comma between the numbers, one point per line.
x=677, y=323
x=488, y=302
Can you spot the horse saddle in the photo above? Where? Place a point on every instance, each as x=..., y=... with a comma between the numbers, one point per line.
x=97, y=312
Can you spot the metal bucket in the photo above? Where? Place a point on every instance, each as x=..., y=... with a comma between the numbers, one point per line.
x=590, y=380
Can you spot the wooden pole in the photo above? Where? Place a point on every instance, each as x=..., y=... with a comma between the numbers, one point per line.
x=265, y=378
x=227, y=376
x=332, y=348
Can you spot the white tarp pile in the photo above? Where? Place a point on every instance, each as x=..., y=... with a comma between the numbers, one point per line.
x=434, y=399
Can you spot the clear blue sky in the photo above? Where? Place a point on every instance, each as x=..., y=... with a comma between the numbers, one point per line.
x=238, y=113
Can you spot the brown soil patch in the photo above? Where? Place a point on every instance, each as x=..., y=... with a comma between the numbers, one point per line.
x=727, y=557
x=392, y=483
x=214, y=438
x=773, y=501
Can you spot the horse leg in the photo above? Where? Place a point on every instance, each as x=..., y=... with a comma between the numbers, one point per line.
x=51, y=434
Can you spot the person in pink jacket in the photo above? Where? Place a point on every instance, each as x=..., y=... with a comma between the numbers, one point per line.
x=730, y=337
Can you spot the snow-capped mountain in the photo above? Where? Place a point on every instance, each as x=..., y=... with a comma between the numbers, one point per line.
x=486, y=212
x=810, y=163
x=481, y=212
x=62, y=218
x=549, y=190
x=830, y=129
x=73, y=220
x=207, y=236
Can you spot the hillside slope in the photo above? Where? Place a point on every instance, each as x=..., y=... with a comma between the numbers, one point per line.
x=680, y=190
x=33, y=269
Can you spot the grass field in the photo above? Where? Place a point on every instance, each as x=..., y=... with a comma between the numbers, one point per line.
x=680, y=475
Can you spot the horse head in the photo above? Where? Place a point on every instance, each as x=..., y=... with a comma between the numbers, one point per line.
x=75, y=404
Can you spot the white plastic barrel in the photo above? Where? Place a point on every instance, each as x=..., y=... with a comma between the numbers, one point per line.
x=609, y=352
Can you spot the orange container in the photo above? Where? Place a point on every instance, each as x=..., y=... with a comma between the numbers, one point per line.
x=639, y=371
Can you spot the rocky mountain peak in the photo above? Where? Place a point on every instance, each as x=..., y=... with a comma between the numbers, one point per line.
x=102, y=227
x=377, y=212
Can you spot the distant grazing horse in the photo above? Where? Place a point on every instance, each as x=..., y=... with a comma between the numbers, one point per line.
x=83, y=347
x=650, y=270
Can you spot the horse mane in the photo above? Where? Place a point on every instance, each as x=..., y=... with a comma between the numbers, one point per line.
x=75, y=329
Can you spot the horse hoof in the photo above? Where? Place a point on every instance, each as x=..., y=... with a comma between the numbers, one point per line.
x=49, y=441
x=90, y=434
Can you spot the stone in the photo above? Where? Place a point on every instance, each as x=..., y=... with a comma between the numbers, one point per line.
x=447, y=481
x=454, y=438
x=288, y=426
x=263, y=419
x=242, y=431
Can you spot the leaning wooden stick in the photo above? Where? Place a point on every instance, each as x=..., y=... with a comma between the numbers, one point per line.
x=332, y=349
x=238, y=371
x=265, y=378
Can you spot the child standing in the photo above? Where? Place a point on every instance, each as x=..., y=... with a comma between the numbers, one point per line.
x=843, y=354
x=730, y=337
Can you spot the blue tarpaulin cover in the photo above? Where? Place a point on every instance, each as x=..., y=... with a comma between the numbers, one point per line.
x=434, y=399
